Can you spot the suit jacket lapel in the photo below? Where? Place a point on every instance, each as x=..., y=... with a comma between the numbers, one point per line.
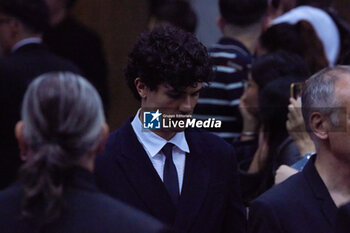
x=195, y=184
x=143, y=177
x=320, y=192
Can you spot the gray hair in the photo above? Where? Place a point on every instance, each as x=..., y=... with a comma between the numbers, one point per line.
x=319, y=96
x=62, y=118
x=64, y=109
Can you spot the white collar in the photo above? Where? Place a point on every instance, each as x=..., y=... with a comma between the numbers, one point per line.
x=154, y=143
x=323, y=24
x=30, y=40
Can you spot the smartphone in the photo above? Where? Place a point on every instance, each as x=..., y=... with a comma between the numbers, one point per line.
x=296, y=89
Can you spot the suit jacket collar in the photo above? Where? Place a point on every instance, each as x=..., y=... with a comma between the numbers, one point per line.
x=151, y=190
x=153, y=143
x=81, y=179
x=320, y=191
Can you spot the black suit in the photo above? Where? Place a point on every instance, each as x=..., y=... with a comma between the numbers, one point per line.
x=343, y=219
x=301, y=204
x=16, y=72
x=210, y=200
x=74, y=41
x=87, y=211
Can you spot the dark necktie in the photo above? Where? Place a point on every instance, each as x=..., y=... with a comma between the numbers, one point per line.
x=170, y=178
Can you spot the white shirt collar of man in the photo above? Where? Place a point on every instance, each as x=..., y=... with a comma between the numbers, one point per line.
x=30, y=40
x=154, y=143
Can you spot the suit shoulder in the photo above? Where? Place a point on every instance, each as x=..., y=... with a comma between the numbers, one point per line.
x=112, y=148
x=39, y=61
x=344, y=211
x=291, y=190
x=209, y=138
x=10, y=199
x=214, y=147
x=113, y=140
x=118, y=214
x=11, y=192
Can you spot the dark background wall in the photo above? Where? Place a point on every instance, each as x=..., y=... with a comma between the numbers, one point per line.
x=119, y=22
x=343, y=7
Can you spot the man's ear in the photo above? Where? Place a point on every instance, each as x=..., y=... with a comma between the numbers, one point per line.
x=103, y=139
x=141, y=88
x=20, y=139
x=220, y=22
x=319, y=125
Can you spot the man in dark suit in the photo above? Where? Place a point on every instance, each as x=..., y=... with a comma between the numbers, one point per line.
x=61, y=130
x=24, y=58
x=72, y=40
x=187, y=178
x=307, y=202
x=88, y=211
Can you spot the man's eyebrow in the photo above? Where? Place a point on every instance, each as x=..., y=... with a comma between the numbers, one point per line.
x=175, y=91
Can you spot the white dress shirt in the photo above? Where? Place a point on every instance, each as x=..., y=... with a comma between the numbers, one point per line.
x=153, y=144
x=30, y=40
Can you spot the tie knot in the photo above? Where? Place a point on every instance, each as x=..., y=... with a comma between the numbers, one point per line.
x=168, y=150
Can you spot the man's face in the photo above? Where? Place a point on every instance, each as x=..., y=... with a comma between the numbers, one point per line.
x=5, y=34
x=172, y=101
x=339, y=135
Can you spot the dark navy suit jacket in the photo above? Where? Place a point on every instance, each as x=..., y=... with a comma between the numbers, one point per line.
x=343, y=219
x=301, y=204
x=210, y=200
x=86, y=211
x=16, y=72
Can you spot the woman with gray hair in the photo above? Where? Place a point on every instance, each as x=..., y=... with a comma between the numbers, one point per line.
x=62, y=129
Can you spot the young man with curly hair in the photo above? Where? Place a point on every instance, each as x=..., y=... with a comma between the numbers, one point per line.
x=186, y=178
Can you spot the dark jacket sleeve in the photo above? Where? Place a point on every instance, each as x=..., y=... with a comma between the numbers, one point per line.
x=263, y=219
x=236, y=218
x=343, y=219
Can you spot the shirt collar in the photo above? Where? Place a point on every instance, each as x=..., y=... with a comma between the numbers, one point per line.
x=30, y=40
x=154, y=143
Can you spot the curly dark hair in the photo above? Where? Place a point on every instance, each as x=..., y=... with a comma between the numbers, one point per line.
x=167, y=55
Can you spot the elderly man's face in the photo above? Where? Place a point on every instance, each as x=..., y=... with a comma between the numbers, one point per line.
x=339, y=135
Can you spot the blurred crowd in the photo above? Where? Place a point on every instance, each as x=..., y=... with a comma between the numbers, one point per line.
x=278, y=80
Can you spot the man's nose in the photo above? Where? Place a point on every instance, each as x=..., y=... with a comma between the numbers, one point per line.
x=186, y=105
